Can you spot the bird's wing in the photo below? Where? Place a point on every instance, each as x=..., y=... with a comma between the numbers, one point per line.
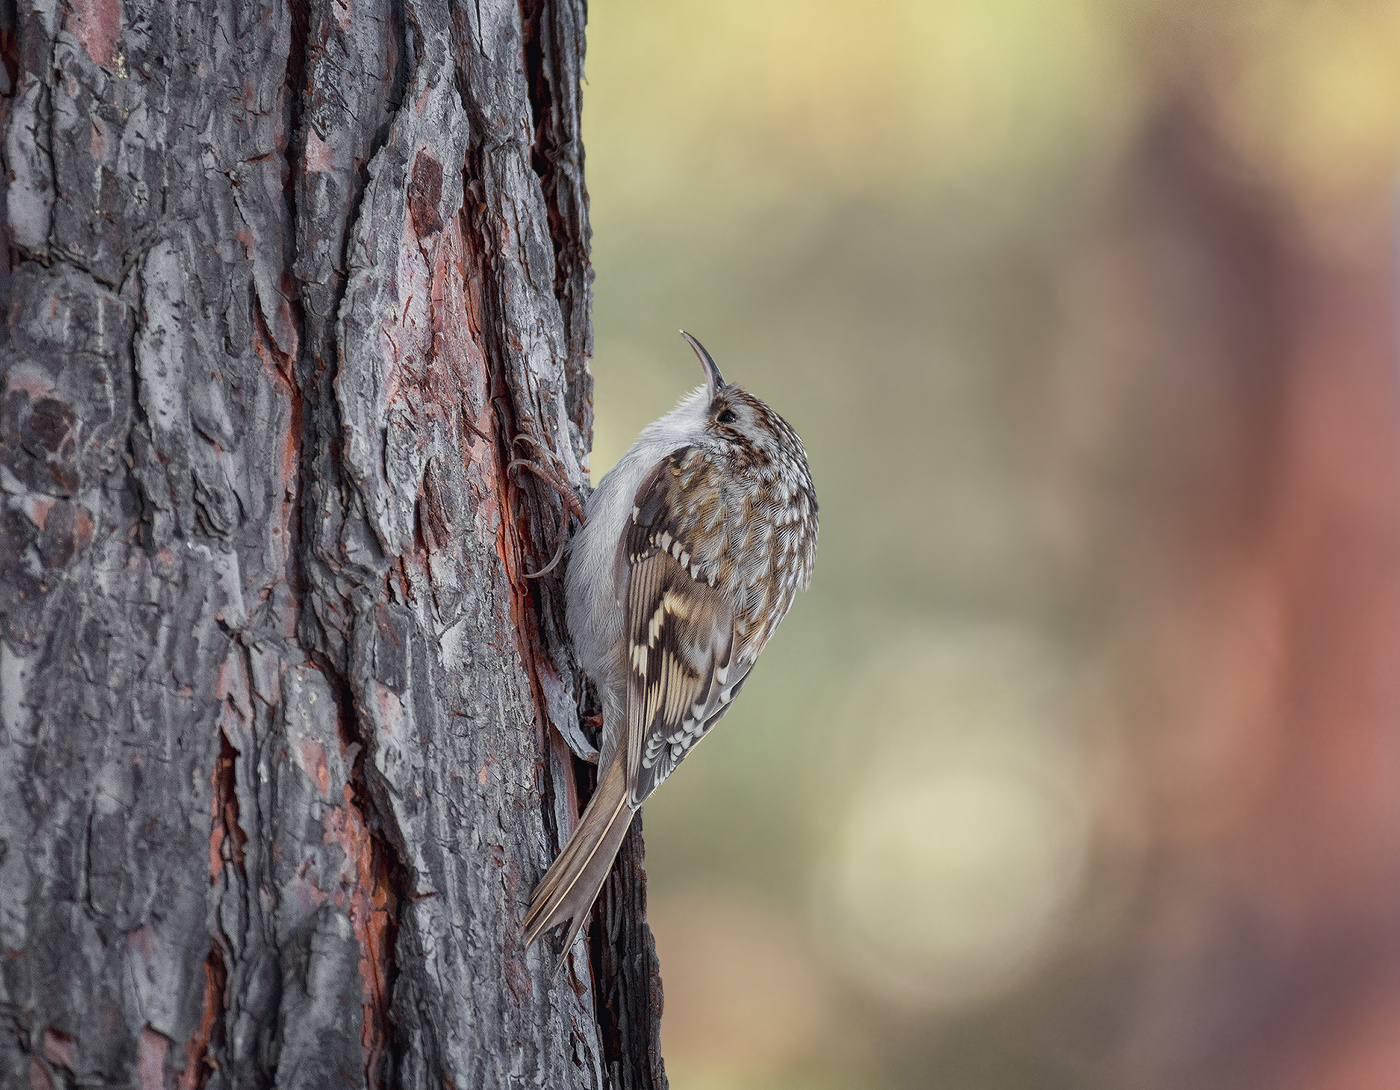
x=681, y=671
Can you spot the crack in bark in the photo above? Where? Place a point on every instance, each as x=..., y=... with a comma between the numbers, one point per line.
x=316, y=364
x=390, y=883
x=553, y=41
x=9, y=58
x=543, y=149
x=9, y=46
x=138, y=435
x=385, y=879
x=227, y=847
x=200, y=1064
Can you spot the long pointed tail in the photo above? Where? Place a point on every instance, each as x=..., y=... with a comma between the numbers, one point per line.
x=572, y=883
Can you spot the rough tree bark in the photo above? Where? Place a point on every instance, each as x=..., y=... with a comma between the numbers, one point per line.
x=290, y=282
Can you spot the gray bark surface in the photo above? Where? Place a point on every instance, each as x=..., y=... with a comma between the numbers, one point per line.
x=281, y=720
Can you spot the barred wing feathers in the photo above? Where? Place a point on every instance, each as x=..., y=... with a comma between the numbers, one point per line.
x=682, y=674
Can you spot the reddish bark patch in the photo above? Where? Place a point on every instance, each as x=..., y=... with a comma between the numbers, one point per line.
x=425, y=194
x=370, y=903
x=82, y=527
x=312, y=756
x=320, y=156
x=277, y=366
x=151, y=1059
x=198, y=1063
x=38, y=511
x=97, y=24
x=58, y=1048
x=39, y=1078
x=224, y=827
x=227, y=841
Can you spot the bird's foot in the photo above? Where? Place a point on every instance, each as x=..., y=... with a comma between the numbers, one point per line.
x=551, y=472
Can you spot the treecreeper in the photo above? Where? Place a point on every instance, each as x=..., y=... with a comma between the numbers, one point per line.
x=691, y=552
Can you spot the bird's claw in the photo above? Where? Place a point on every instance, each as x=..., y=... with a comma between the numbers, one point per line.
x=550, y=475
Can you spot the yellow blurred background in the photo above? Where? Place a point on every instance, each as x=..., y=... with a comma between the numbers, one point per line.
x=1079, y=765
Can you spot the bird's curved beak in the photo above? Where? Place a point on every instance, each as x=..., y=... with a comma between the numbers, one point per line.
x=714, y=381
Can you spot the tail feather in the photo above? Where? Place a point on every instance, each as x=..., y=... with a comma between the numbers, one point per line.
x=572, y=883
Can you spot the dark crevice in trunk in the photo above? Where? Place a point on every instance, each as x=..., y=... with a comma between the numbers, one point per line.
x=552, y=33
x=401, y=71
x=138, y=439
x=293, y=88
x=228, y=829
x=199, y=1052
x=228, y=843
x=320, y=431
x=302, y=425
x=9, y=58
x=544, y=148
x=9, y=45
x=319, y=476
x=317, y=425
x=537, y=82
x=392, y=877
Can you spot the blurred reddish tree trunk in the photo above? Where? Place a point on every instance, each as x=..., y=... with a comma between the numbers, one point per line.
x=281, y=752
x=1254, y=456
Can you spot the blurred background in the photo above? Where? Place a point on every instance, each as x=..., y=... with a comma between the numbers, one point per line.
x=1079, y=766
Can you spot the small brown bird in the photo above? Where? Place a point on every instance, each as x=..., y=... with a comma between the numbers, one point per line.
x=693, y=548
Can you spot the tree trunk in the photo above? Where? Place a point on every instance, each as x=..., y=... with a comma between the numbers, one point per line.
x=283, y=747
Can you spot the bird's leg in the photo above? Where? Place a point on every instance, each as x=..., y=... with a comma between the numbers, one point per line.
x=550, y=474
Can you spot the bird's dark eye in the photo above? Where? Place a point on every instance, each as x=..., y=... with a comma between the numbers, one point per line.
x=726, y=416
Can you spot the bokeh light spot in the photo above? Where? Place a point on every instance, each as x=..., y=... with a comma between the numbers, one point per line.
x=953, y=870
